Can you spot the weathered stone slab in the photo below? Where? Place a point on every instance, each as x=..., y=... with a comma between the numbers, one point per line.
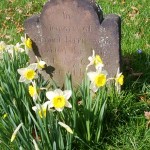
x=66, y=33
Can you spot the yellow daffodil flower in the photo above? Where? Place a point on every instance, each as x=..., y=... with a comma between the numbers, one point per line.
x=15, y=48
x=98, y=79
x=66, y=127
x=27, y=43
x=59, y=99
x=96, y=61
x=41, y=64
x=2, y=48
x=28, y=74
x=15, y=132
x=33, y=91
x=41, y=109
x=119, y=80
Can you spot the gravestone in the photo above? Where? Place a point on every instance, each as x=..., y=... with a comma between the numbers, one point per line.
x=65, y=34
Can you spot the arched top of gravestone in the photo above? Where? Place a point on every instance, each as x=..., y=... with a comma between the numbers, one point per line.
x=66, y=33
x=89, y=5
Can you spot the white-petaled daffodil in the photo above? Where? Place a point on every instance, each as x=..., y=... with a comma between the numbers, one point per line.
x=96, y=61
x=119, y=80
x=59, y=99
x=2, y=48
x=98, y=79
x=66, y=127
x=27, y=43
x=33, y=91
x=2, y=45
x=40, y=63
x=41, y=109
x=15, y=48
x=15, y=132
x=28, y=74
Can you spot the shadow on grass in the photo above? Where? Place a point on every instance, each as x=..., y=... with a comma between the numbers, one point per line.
x=125, y=112
x=136, y=68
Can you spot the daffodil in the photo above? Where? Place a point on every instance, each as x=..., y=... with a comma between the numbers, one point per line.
x=15, y=48
x=2, y=45
x=59, y=99
x=28, y=74
x=98, y=79
x=66, y=127
x=96, y=61
x=15, y=132
x=2, y=48
x=41, y=64
x=41, y=109
x=32, y=91
x=27, y=43
x=18, y=48
x=119, y=80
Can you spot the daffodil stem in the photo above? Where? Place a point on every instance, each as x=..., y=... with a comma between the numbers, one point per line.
x=88, y=130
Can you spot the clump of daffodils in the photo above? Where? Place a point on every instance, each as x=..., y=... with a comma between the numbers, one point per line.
x=24, y=46
x=57, y=99
x=99, y=77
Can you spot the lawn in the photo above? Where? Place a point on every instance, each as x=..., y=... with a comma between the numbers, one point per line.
x=124, y=125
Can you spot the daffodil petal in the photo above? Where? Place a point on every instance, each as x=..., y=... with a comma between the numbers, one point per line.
x=47, y=104
x=67, y=94
x=91, y=60
x=22, y=79
x=58, y=92
x=35, y=108
x=21, y=71
x=50, y=95
x=68, y=104
x=93, y=87
x=33, y=66
x=59, y=109
x=92, y=75
x=22, y=39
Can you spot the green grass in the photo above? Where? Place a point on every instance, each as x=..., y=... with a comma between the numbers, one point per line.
x=125, y=125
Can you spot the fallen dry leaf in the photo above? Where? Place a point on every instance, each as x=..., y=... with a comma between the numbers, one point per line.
x=133, y=13
x=123, y=2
